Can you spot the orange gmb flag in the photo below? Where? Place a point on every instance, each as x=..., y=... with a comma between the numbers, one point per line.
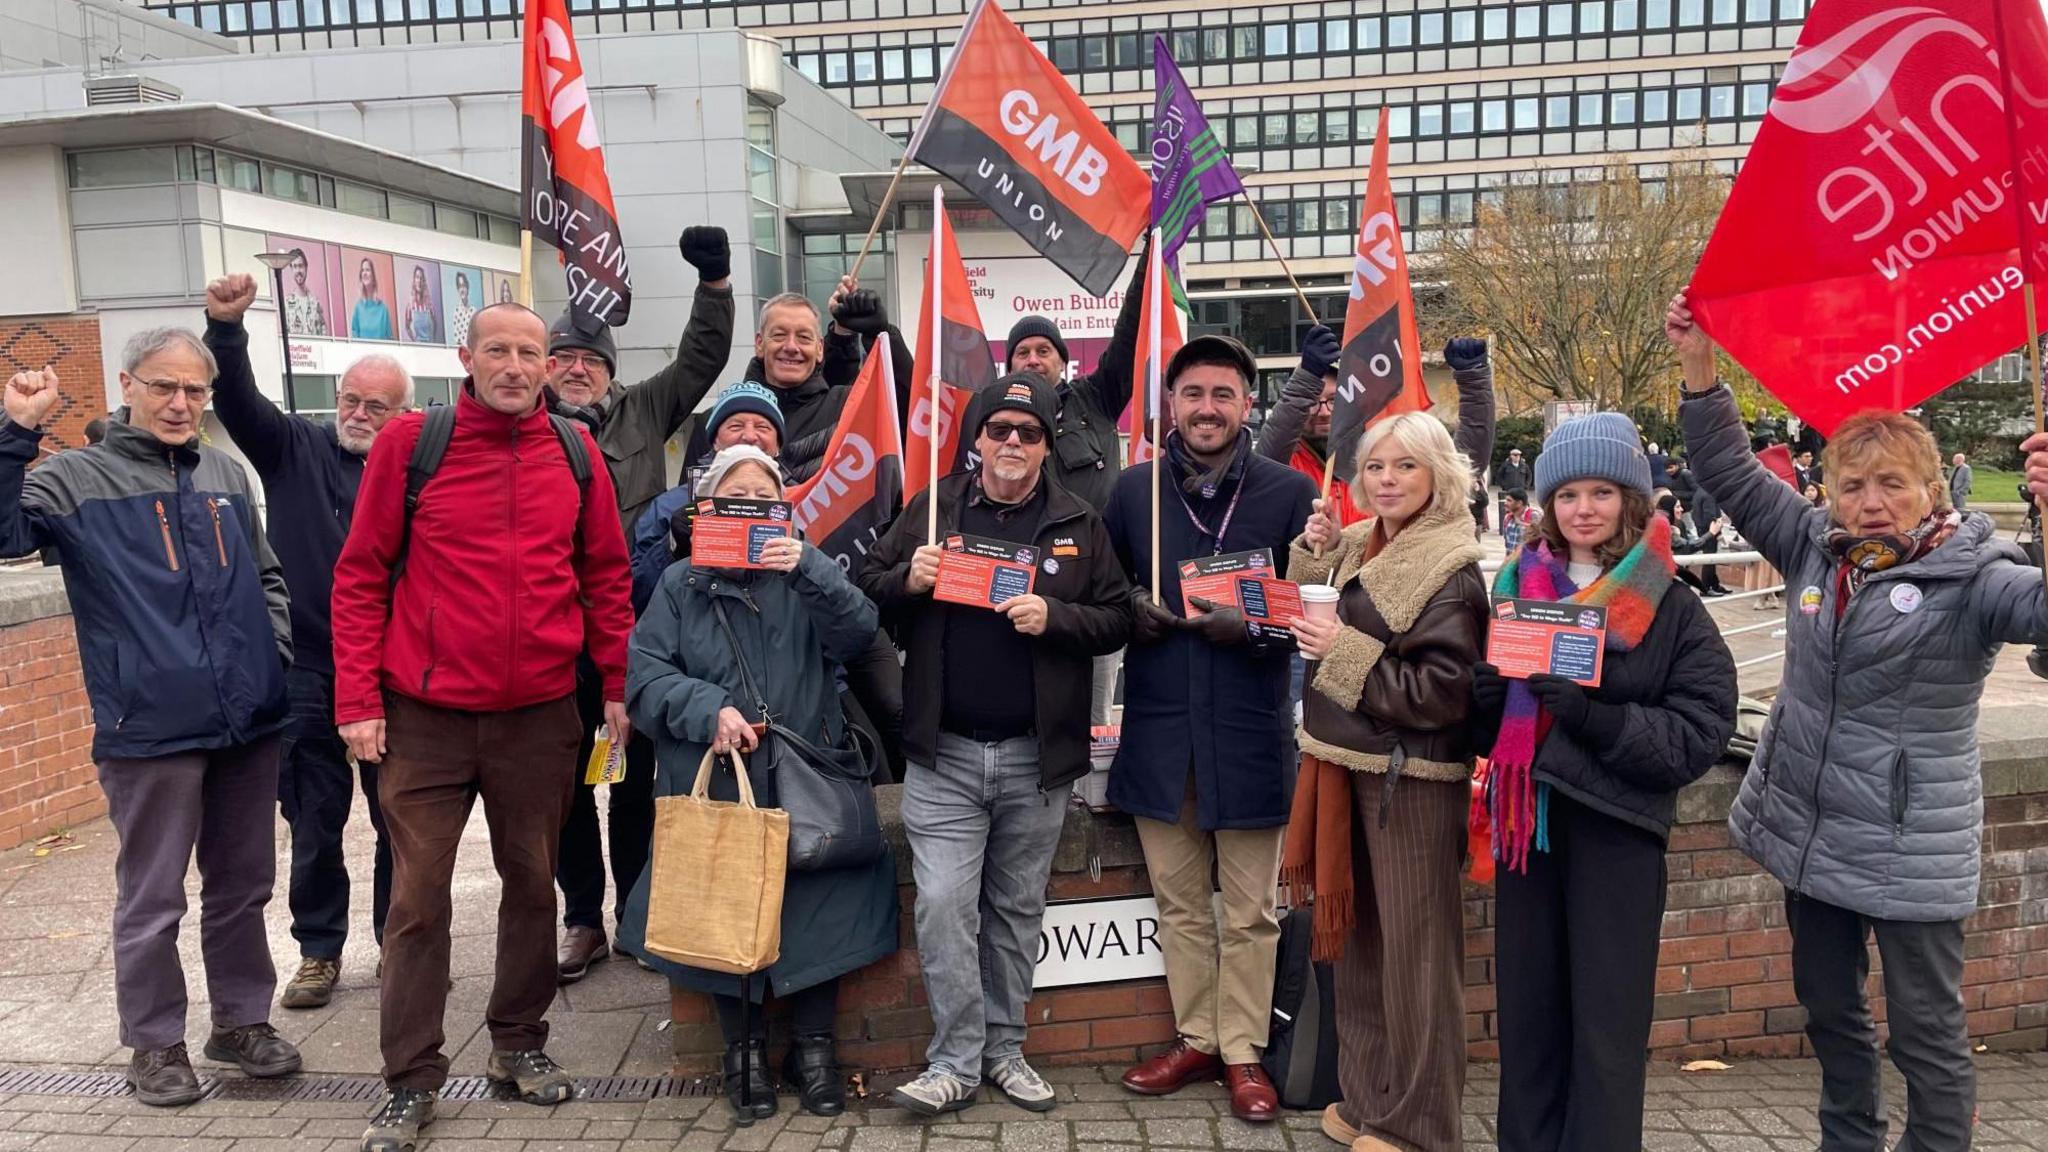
x=1006, y=125
x=1380, y=371
x=948, y=335
x=566, y=200
x=858, y=489
x=1146, y=396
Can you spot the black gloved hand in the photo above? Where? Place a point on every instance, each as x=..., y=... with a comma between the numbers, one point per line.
x=1489, y=690
x=680, y=524
x=1223, y=627
x=1320, y=350
x=1566, y=701
x=1465, y=352
x=1150, y=622
x=861, y=312
x=705, y=247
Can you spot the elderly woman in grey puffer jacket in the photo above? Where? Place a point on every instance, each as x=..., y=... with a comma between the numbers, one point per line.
x=1864, y=798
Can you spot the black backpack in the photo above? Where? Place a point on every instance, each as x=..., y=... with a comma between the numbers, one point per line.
x=427, y=452
x=1301, y=1049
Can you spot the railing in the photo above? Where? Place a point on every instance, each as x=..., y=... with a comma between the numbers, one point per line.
x=1775, y=626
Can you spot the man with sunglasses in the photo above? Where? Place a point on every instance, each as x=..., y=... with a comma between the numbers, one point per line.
x=184, y=633
x=995, y=729
x=311, y=470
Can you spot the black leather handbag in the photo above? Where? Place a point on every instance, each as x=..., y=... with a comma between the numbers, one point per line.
x=826, y=791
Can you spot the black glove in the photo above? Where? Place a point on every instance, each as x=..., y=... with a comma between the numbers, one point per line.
x=1319, y=351
x=1150, y=622
x=705, y=247
x=1223, y=627
x=1489, y=690
x=1563, y=699
x=1465, y=352
x=680, y=523
x=861, y=312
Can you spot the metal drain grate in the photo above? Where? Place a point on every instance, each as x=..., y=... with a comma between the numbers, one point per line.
x=341, y=1089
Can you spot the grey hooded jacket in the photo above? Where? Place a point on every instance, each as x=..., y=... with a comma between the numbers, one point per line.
x=1864, y=791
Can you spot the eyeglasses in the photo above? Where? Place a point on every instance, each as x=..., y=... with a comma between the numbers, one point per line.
x=1323, y=406
x=374, y=409
x=589, y=362
x=1001, y=430
x=196, y=394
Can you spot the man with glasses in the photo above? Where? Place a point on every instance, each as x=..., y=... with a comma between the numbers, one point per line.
x=310, y=471
x=632, y=427
x=184, y=634
x=995, y=729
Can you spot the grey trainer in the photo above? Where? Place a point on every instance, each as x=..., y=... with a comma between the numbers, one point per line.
x=1022, y=1084
x=935, y=1091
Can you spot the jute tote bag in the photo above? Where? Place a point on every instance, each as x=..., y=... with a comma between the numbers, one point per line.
x=715, y=896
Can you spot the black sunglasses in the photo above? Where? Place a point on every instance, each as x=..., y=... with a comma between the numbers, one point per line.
x=1001, y=430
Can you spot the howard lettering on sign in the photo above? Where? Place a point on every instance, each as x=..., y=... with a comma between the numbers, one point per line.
x=1099, y=941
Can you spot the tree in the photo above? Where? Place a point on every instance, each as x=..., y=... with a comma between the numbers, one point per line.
x=1570, y=278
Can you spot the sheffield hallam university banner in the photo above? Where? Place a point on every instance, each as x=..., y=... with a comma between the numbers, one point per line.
x=1868, y=256
x=1006, y=125
x=1379, y=372
x=566, y=200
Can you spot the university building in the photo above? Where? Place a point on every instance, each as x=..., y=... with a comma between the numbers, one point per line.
x=1479, y=93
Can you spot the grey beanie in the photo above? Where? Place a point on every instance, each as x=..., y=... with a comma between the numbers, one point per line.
x=731, y=458
x=1603, y=445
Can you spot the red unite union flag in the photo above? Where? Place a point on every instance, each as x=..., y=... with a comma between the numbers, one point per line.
x=1870, y=252
x=566, y=199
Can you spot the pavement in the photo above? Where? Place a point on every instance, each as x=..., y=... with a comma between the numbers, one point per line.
x=57, y=1015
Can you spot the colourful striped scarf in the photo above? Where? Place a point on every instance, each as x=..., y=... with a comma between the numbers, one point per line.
x=1630, y=591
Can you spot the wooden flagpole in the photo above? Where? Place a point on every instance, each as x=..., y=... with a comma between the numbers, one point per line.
x=1275, y=246
x=1153, y=292
x=526, y=267
x=936, y=278
x=881, y=214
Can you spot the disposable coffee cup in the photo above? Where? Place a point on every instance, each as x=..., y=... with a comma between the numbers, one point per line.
x=1318, y=601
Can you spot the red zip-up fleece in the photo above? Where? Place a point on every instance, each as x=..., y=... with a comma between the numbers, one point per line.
x=504, y=584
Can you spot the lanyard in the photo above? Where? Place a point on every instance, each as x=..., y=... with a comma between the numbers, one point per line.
x=1221, y=529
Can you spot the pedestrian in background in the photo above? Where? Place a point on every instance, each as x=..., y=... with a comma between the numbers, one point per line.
x=1961, y=482
x=1378, y=827
x=1584, y=788
x=455, y=667
x=311, y=470
x=1864, y=797
x=184, y=635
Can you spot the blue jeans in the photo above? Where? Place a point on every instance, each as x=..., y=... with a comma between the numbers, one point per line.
x=315, y=787
x=982, y=836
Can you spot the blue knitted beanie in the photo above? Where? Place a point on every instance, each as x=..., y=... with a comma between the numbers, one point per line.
x=1603, y=445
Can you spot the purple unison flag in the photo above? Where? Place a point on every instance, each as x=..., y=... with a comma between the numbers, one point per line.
x=1190, y=170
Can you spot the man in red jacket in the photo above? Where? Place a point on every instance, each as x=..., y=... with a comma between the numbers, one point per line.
x=455, y=646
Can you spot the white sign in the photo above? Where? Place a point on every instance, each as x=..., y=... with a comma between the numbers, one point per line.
x=1009, y=288
x=1098, y=941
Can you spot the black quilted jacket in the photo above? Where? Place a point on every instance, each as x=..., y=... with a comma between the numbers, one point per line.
x=1660, y=718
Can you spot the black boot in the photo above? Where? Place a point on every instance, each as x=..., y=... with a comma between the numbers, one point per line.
x=753, y=1057
x=813, y=1067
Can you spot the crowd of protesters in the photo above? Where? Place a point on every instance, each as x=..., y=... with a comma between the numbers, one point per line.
x=459, y=603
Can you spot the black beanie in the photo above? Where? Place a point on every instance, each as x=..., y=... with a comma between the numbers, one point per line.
x=1024, y=330
x=564, y=335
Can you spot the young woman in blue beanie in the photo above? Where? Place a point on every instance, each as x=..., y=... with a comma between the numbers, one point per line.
x=1583, y=789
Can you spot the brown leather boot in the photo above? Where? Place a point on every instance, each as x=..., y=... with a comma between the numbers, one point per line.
x=581, y=947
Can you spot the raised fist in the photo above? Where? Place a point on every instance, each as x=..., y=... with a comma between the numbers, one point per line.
x=31, y=395
x=1464, y=353
x=705, y=248
x=1320, y=350
x=230, y=296
x=861, y=311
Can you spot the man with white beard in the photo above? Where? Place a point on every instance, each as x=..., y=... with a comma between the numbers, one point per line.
x=310, y=471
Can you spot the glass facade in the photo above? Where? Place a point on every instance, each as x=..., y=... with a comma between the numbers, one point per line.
x=1477, y=93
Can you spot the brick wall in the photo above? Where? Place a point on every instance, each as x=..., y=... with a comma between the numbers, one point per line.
x=47, y=779
x=70, y=344
x=1724, y=981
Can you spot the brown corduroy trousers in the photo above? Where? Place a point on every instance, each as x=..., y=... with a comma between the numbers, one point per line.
x=1401, y=981
x=437, y=762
